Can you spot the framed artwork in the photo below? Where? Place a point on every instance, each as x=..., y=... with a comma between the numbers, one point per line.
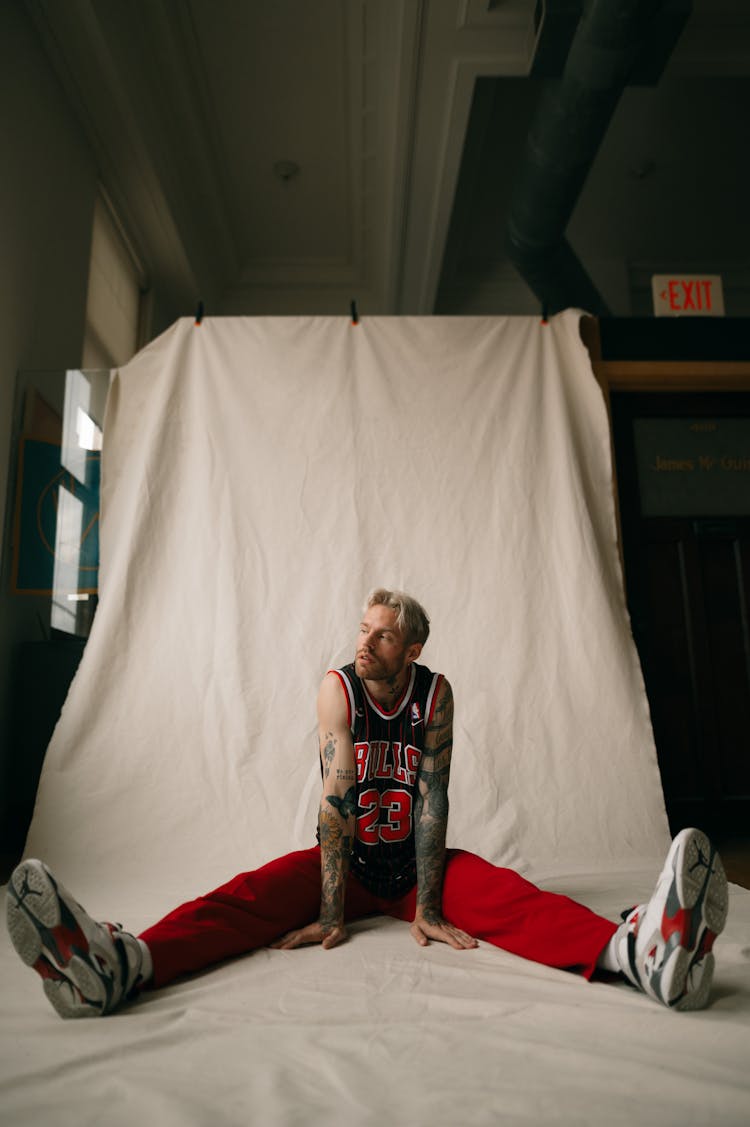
x=56, y=528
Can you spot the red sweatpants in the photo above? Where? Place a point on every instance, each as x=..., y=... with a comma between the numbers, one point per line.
x=489, y=903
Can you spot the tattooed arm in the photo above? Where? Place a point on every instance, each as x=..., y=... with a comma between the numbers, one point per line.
x=338, y=803
x=430, y=824
x=335, y=819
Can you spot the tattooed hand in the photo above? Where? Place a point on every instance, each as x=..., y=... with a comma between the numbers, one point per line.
x=431, y=809
x=318, y=932
x=336, y=817
x=435, y=927
x=430, y=821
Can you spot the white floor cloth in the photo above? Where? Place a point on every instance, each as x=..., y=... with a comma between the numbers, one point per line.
x=260, y=475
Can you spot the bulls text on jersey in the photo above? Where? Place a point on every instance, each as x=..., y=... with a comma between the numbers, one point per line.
x=381, y=759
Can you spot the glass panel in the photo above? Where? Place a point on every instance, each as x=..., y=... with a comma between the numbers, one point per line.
x=693, y=466
x=55, y=541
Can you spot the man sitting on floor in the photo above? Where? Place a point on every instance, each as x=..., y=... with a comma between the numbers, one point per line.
x=386, y=738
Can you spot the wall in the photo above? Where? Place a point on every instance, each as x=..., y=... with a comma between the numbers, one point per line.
x=47, y=191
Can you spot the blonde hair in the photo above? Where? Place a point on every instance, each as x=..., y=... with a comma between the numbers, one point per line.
x=411, y=617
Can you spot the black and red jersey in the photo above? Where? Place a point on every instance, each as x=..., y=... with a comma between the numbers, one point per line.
x=387, y=752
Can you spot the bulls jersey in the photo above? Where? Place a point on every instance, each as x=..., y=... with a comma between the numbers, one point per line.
x=387, y=753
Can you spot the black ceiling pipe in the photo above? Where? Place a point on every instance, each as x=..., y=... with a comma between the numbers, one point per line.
x=571, y=120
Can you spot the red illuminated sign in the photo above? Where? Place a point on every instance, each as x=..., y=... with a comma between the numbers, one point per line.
x=678, y=295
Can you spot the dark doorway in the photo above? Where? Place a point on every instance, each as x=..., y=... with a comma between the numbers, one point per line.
x=683, y=466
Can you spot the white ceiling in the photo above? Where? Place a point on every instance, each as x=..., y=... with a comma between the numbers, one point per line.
x=189, y=104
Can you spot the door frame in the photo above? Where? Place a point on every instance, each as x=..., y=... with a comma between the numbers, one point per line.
x=647, y=376
x=643, y=377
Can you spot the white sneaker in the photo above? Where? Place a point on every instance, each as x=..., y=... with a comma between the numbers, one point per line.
x=88, y=968
x=664, y=947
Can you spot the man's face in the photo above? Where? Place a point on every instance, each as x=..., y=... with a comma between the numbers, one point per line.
x=381, y=653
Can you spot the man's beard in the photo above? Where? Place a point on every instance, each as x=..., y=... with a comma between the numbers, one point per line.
x=374, y=669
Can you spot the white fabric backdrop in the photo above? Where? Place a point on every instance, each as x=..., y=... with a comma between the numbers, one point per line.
x=260, y=475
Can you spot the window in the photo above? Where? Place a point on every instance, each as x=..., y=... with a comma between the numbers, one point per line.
x=111, y=338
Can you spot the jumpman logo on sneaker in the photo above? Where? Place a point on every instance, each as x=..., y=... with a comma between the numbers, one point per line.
x=87, y=968
x=664, y=947
x=701, y=862
x=26, y=890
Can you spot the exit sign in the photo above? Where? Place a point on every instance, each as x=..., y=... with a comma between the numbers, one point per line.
x=691, y=295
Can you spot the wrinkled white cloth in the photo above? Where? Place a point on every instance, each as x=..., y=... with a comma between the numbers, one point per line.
x=259, y=476
x=380, y=1030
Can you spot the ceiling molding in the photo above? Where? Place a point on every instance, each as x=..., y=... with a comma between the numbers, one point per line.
x=199, y=136
x=82, y=60
x=317, y=272
x=434, y=183
x=382, y=42
x=396, y=35
x=187, y=105
x=153, y=63
x=483, y=16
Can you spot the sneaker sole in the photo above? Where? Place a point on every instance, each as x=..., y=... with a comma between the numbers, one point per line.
x=25, y=916
x=66, y=1000
x=38, y=919
x=695, y=912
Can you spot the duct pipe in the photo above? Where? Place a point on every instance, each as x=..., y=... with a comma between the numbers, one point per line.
x=571, y=121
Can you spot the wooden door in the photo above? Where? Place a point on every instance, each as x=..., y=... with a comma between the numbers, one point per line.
x=683, y=466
